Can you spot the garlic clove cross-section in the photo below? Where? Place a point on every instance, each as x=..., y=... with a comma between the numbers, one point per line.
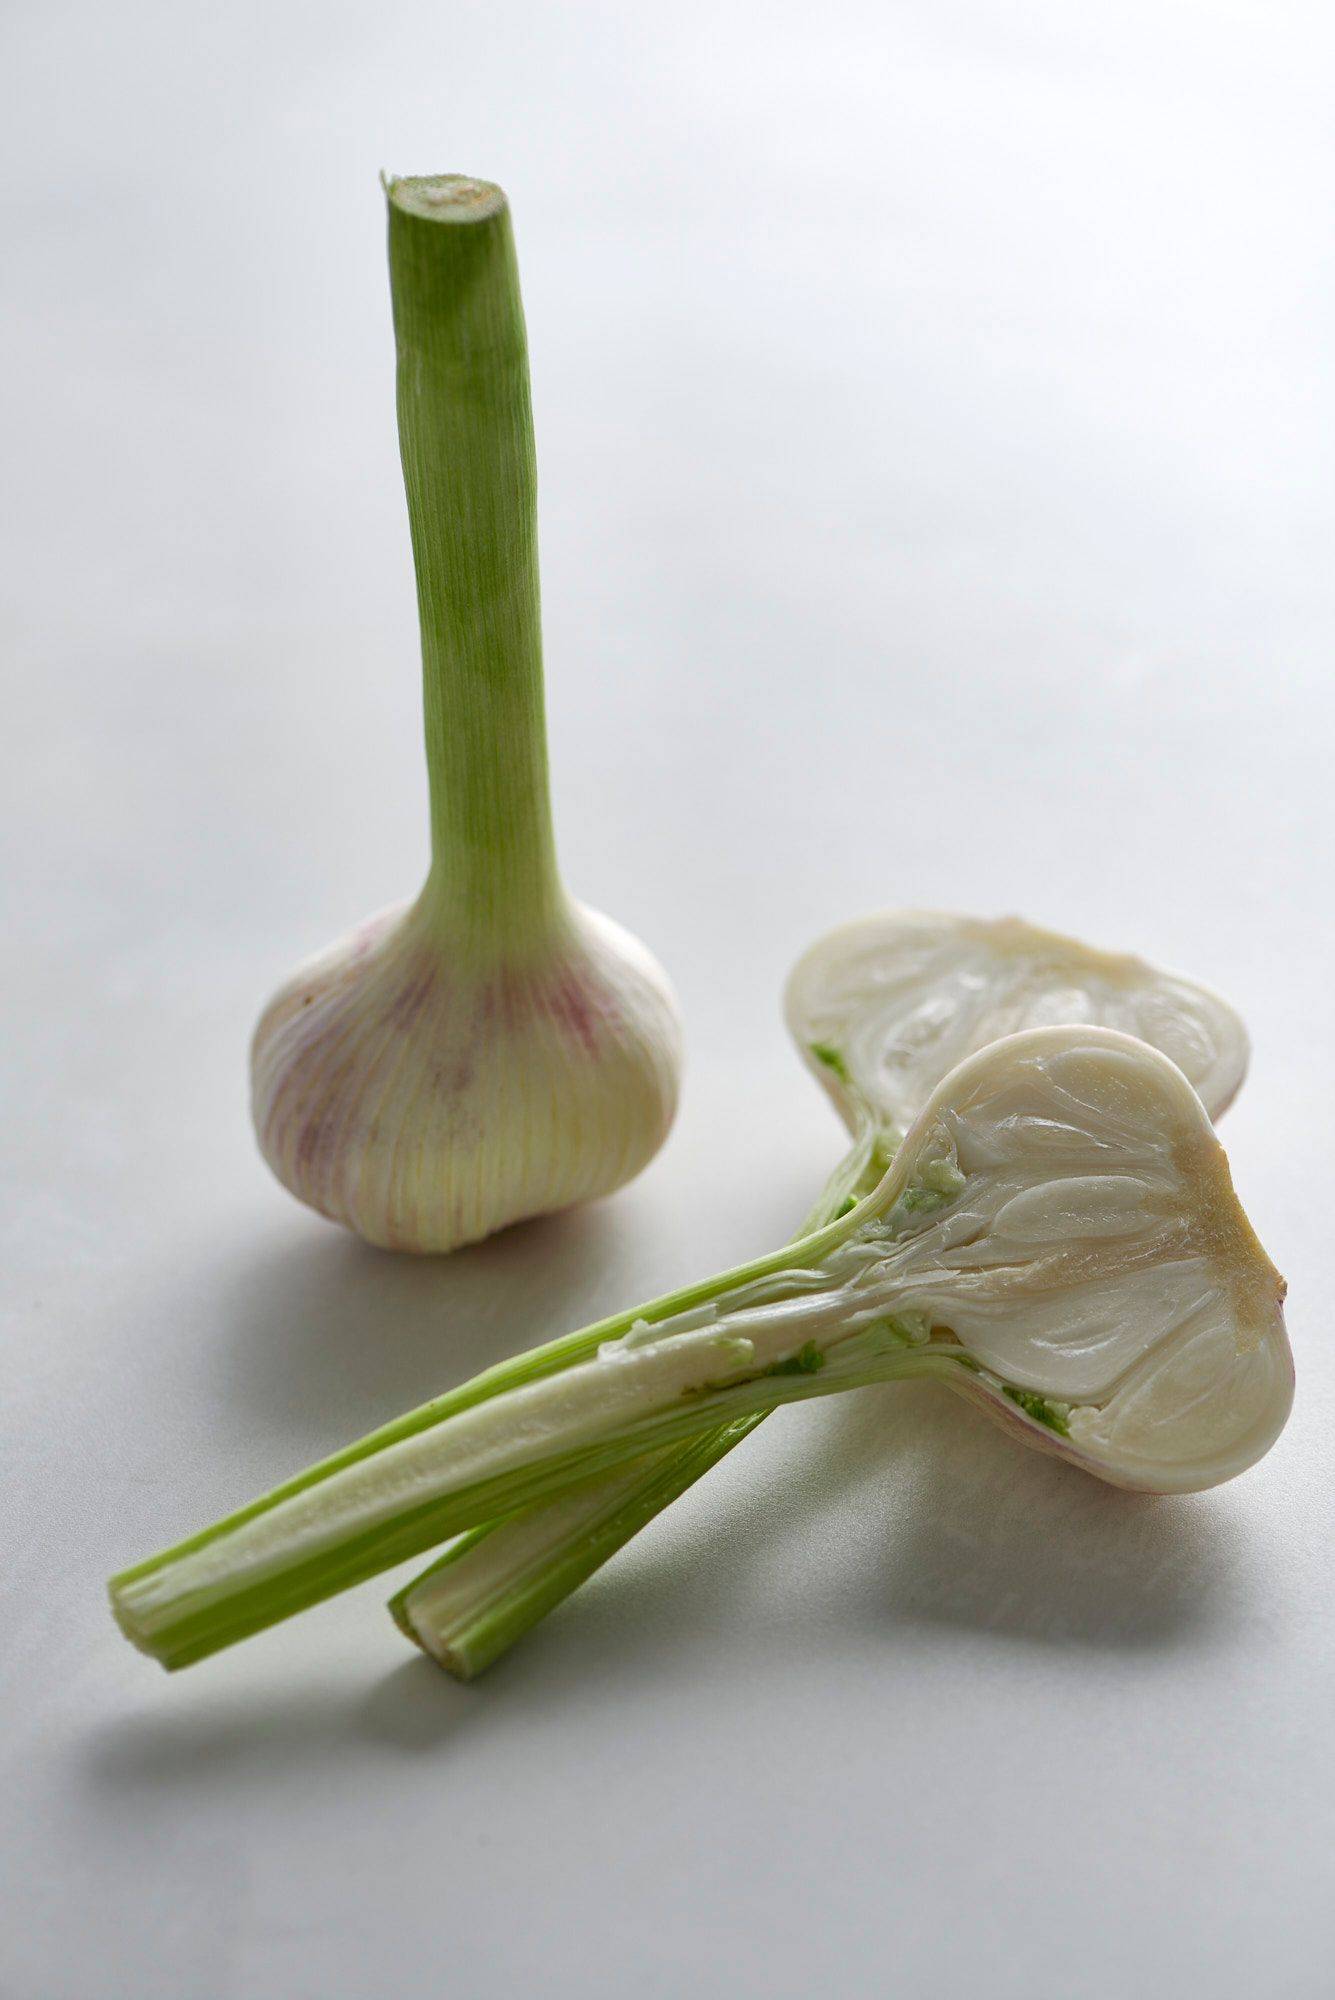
x=493, y=1051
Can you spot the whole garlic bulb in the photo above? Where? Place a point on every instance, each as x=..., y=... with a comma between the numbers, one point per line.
x=1057, y=1239
x=426, y=1100
x=492, y=1050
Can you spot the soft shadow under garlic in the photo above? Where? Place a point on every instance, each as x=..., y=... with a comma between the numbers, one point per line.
x=329, y=1334
x=925, y=1516
x=229, y=1738
x=971, y=1535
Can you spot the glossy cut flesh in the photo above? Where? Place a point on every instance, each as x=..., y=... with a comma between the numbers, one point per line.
x=1098, y=1256
x=904, y=996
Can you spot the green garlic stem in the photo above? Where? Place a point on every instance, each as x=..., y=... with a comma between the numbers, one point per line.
x=466, y=440
x=495, y=1585
x=491, y=1586
x=530, y=1429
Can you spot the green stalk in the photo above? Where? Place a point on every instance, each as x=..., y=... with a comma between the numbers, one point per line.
x=469, y=470
x=494, y=1585
x=414, y=1482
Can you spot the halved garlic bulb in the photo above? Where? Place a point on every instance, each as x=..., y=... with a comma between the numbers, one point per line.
x=1062, y=1209
x=883, y=1007
x=492, y=1051
x=1057, y=1238
x=880, y=1010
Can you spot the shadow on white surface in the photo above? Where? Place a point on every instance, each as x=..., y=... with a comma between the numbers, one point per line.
x=983, y=1536
x=913, y=1511
x=231, y=1736
x=326, y=1337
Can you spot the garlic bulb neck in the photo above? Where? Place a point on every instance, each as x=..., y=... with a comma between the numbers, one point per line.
x=470, y=475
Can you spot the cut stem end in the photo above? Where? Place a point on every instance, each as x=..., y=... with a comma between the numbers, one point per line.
x=444, y=197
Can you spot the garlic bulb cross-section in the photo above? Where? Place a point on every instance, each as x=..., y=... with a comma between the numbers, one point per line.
x=882, y=1008
x=1094, y=1265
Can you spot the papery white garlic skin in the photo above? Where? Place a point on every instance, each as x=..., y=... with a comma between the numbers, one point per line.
x=425, y=1097
x=884, y=1007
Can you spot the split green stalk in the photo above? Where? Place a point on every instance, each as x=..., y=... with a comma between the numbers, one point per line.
x=469, y=469
x=410, y=1485
x=494, y=1585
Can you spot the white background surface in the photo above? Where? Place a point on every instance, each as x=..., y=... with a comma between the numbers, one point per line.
x=934, y=434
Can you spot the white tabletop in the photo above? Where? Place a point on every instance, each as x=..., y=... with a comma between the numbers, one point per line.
x=934, y=422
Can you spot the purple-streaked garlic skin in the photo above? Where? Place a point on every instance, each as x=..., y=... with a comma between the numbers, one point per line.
x=424, y=1097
